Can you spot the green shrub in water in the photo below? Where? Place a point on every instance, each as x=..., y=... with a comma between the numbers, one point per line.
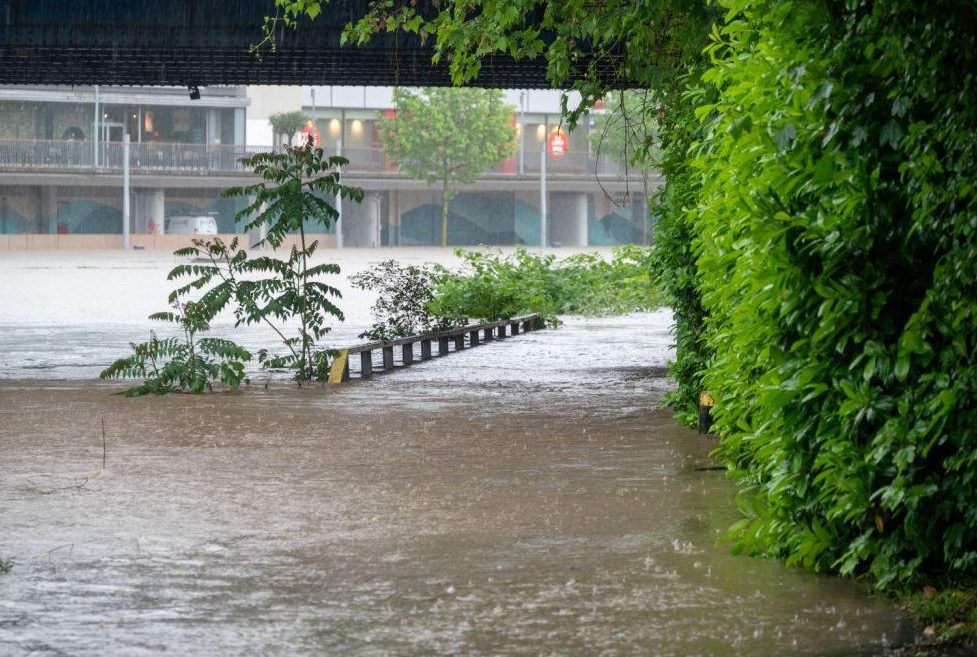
x=190, y=364
x=404, y=296
x=491, y=286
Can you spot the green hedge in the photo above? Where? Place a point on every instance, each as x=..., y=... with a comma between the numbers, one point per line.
x=832, y=207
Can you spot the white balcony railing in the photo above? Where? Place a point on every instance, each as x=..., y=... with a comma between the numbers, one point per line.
x=155, y=157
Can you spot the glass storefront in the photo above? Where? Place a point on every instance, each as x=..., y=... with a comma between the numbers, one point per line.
x=144, y=123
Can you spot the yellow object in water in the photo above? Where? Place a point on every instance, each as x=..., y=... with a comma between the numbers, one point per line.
x=338, y=366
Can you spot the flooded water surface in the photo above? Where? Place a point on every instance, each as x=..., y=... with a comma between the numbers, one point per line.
x=526, y=497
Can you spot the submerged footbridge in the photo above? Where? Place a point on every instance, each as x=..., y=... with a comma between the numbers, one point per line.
x=207, y=42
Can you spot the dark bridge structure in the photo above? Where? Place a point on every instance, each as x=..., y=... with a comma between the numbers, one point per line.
x=206, y=42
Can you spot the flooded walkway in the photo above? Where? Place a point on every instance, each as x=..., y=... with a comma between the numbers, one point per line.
x=527, y=497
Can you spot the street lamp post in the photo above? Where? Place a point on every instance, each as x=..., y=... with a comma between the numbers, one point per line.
x=95, y=131
x=125, y=191
x=339, y=201
x=542, y=194
x=315, y=129
x=522, y=137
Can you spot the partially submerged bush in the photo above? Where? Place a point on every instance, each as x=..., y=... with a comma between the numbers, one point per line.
x=491, y=286
x=592, y=285
x=190, y=364
x=404, y=296
x=268, y=290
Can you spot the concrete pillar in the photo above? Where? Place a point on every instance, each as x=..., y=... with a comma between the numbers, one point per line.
x=148, y=211
x=47, y=210
x=568, y=219
x=393, y=218
x=361, y=222
x=139, y=212
x=156, y=211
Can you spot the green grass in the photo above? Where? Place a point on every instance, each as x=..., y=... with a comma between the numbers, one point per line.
x=949, y=617
x=6, y=565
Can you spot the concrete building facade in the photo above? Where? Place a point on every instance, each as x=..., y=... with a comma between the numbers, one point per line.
x=62, y=188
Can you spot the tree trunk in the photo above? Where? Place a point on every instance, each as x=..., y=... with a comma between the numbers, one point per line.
x=444, y=215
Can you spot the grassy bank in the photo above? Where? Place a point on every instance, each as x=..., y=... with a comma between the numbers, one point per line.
x=947, y=620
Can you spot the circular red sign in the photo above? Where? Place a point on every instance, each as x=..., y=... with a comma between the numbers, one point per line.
x=557, y=144
x=309, y=130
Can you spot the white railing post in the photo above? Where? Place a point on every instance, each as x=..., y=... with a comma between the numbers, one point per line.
x=542, y=195
x=125, y=191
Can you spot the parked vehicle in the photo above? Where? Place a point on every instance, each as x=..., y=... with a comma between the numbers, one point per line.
x=201, y=224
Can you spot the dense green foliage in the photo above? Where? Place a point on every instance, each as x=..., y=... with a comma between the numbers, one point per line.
x=190, y=364
x=836, y=226
x=448, y=137
x=491, y=286
x=404, y=296
x=674, y=258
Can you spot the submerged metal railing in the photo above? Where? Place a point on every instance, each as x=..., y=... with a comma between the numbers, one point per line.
x=450, y=341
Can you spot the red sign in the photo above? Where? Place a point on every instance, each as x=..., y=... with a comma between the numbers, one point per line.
x=314, y=132
x=557, y=144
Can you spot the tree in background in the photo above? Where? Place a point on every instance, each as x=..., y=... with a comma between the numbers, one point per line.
x=287, y=124
x=448, y=136
x=628, y=135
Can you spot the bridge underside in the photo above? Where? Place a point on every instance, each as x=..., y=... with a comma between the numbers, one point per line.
x=206, y=42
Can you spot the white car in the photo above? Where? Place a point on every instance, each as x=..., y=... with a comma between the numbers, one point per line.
x=201, y=224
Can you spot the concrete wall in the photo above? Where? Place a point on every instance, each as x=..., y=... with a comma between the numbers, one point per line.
x=268, y=100
x=567, y=219
x=265, y=101
x=361, y=222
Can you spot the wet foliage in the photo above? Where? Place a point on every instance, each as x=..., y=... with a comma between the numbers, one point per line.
x=257, y=289
x=492, y=286
x=674, y=258
x=268, y=290
x=404, y=295
x=187, y=364
x=835, y=231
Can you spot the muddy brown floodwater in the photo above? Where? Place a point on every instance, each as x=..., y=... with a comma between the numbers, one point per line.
x=526, y=497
